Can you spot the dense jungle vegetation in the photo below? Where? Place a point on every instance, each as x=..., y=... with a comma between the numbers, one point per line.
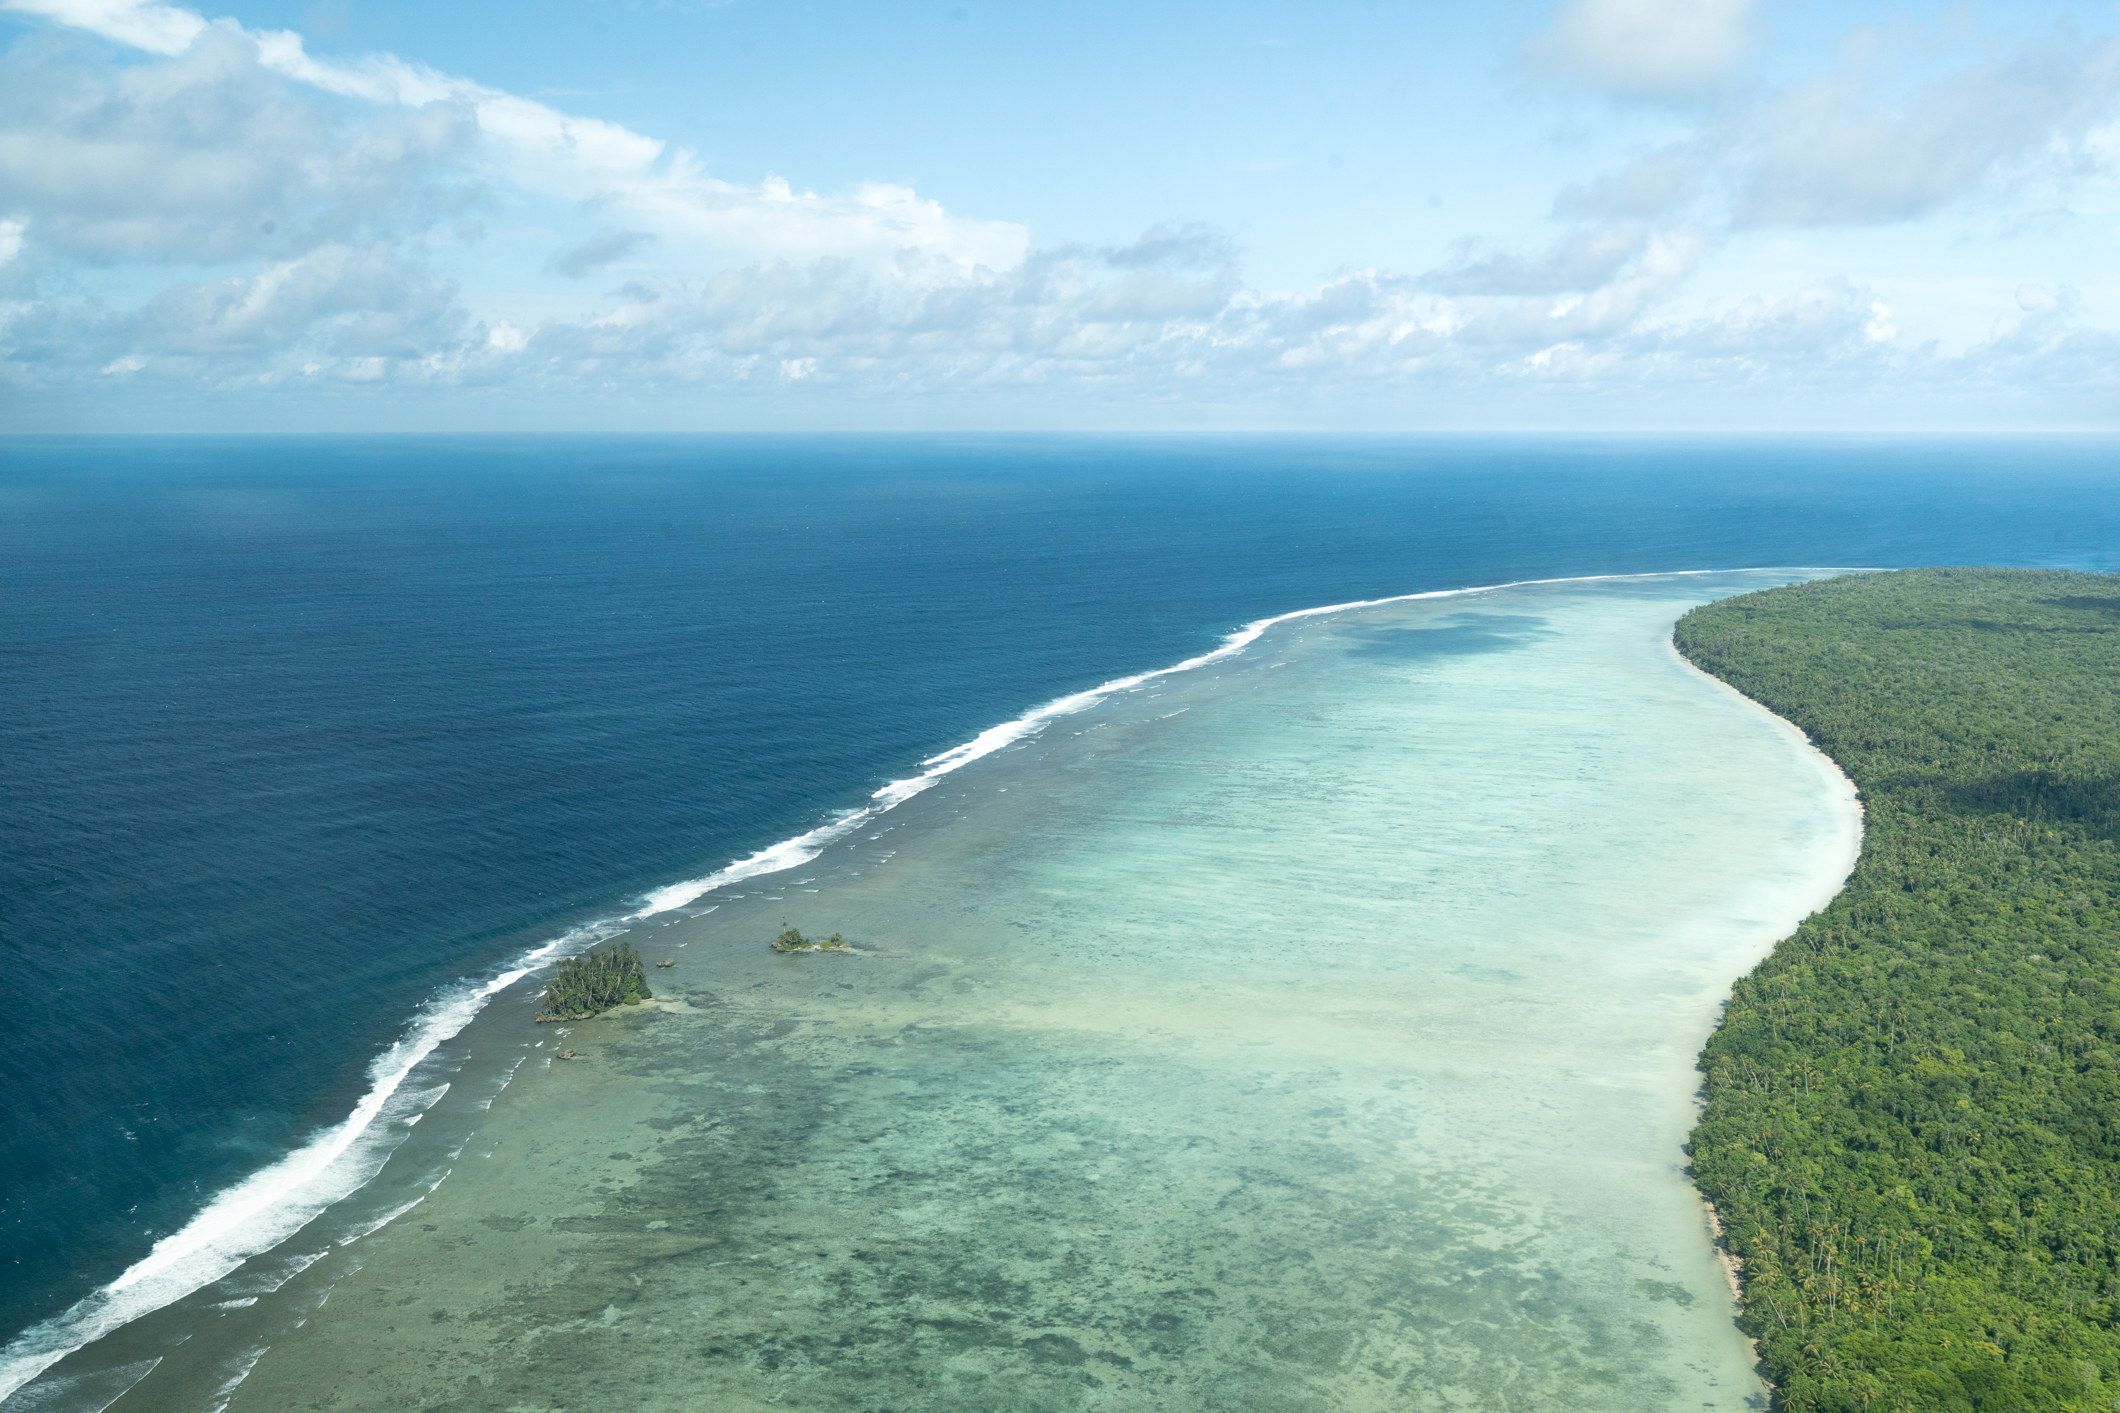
x=1912, y=1128
x=595, y=981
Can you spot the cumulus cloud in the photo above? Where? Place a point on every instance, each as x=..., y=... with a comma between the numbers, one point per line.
x=1662, y=50
x=544, y=150
x=923, y=324
x=540, y=149
x=1580, y=260
x=603, y=248
x=1051, y=317
x=338, y=301
x=1189, y=245
x=158, y=29
x=297, y=204
x=362, y=318
x=209, y=158
x=1832, y=153
x=333, y=306
x=1818, y=321
x=1865, y=146
x=2045, y=344
x=1653, y=185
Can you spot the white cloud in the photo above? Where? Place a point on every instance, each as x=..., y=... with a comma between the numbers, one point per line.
x=2036, y=299
x=1580, y=260
x=1652, y=275
x=362, y=323
x=158, y=29
x=355, y=303
x=1647, y=49
x=585, y=159
x=207, y=158
x=298, y=200
x=334, y=306
x=599, y=250
x=543, y=150
x=1868, y=144
x=1812, y=325
x=2045, y=346
x=1055, y=317
x=1880, y=328
x=1834, y=153
x=1189, y=245
x=1653, y=185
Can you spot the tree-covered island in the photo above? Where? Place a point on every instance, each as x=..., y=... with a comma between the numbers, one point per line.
x=594, y=982
x=1912, y=1128
x=792, y=940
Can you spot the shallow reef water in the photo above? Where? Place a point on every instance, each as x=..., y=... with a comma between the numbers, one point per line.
x=1312, y=1030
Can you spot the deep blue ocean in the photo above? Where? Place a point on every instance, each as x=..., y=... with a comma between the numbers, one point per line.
x=294, y=732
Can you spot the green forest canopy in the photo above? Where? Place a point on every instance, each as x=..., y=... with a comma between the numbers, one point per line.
x=1912, y=1128
x=593, y=982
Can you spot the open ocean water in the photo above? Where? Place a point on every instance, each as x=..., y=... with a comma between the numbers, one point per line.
x=306, y=742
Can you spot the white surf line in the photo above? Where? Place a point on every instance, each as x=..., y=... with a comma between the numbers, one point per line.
x=793, y=853
x=246, y=1361
x=87, y=1393
x=274, y=1203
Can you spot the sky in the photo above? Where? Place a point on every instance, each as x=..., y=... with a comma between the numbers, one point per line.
x=1345, y=214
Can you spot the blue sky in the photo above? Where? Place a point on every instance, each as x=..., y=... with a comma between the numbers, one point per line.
x=1629, y=214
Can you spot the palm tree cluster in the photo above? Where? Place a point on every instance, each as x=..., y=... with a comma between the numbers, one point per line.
x=593, y=982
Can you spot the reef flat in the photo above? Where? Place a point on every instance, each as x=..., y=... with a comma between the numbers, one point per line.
x=1313, y=1030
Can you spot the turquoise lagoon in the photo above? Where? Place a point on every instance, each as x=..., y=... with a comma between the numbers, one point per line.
x=1312, y=1029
